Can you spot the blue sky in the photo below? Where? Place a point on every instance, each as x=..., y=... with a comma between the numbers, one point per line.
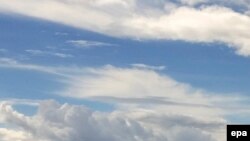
x=124, y=66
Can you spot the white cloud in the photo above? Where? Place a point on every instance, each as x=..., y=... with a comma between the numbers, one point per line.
x=140, y=87
x=209, y=24
x=88, y=44
x=13, y=135
x=146, y=20
x=129, y=82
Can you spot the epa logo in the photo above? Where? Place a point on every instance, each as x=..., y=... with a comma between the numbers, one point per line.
x=238, y=132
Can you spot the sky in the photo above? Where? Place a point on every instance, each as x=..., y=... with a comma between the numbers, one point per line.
x=123, y=70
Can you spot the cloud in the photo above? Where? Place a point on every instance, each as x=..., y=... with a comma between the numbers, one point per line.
x=128, y=82
x=56, y=122
x=148, y=106
x=210, y=22
x=7, y=61
x=7, y=135
x=134, y=86
x=140, y=87
x=88, y=44
x=241, y=4
x=11, y=63
x=192, y=2
x=61, y=34
x=137, y=87
x=42, y=53
x=20, y=102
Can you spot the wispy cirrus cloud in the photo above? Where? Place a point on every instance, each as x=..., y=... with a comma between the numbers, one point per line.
x=195, y=21
x=44, y=53
x=143, y=66
x=243, y=4
x=15, y=64
x=88, y=44
x=61, y=34
x=3, y=51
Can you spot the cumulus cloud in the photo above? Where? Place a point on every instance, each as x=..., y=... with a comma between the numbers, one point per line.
x=56, y=122
x=210, y=22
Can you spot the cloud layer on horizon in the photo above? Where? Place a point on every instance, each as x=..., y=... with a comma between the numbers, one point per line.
x=198, y=21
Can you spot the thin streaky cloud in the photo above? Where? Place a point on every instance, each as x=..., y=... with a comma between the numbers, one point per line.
x=19, y=102
x=61, y=34
x=43, y=53
x=3, y=50
x=62, y=55
x=7, y=61
x=15, y=64
x=88, y=44
x=143, y=66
